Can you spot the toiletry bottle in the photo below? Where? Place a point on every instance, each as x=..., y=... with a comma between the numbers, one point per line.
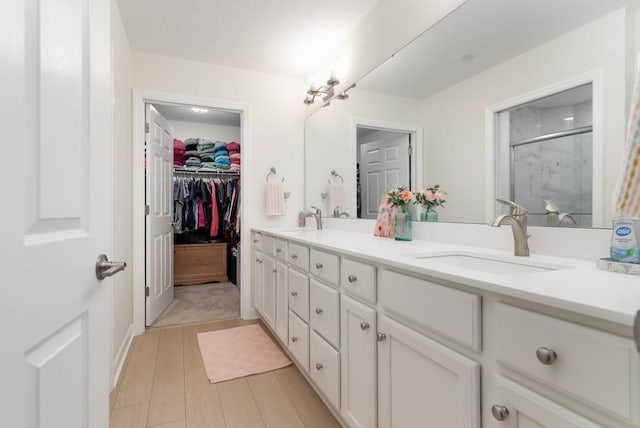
x=624, y=241
x=301, y=219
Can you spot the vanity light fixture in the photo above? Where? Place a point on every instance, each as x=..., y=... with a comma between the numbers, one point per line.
x=325, y=91
x=199, y=110
x=568, y=118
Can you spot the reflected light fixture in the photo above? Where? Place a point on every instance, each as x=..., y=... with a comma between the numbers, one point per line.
x=199, y=110
x=324, y=91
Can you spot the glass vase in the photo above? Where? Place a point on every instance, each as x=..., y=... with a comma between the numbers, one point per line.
x=429, y=214
x=402, y=224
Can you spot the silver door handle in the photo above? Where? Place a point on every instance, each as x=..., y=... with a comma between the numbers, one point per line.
x=105, y=268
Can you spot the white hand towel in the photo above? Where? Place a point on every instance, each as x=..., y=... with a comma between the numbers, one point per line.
x=626, y=197
x=275, y=198
x=336, y=197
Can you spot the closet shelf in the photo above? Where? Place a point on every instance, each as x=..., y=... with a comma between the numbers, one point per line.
x=205, y=171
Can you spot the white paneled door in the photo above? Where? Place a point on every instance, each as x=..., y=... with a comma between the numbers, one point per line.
x=384, y=164
x=159, y=218
x=55, y=315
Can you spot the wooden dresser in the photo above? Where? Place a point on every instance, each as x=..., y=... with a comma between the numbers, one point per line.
x=199, y=263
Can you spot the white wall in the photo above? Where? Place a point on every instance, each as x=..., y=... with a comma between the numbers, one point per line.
x=277, y=119
x=184, y=130
x=454, y=119
x=122, y=191
x=331, y=139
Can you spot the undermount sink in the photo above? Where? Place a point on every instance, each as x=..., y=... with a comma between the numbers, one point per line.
x=489, y=264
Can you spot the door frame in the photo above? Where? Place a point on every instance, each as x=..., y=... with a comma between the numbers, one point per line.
x=139, y=98
x=417, y=174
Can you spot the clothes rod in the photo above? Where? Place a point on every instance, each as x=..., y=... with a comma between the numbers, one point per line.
x=205, y=171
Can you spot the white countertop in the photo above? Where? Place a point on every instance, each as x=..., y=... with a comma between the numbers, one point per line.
x=578, y=286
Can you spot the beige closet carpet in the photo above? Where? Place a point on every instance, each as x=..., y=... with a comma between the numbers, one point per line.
x=238, y=352
x=203, y=302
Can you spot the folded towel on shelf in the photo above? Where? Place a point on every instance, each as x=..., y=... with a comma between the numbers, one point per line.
x=626, y=196
x=234, y=168
x=336, y=196
x=193, y=162
x=275, y=198
x=234, y=156
x=220, y=145
x=221, y=165
x=233, y=146
x=209, y=165
x=191, y=144
x=178, y=145
x=193, y=153
x=220, y=158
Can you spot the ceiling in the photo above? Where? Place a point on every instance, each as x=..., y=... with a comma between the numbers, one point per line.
x=278, y=36
x=186, y=114
x=477, y=36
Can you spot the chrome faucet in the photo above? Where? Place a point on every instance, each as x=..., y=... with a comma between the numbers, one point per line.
x=337, y=213
x=518, y=222
x=317, y=215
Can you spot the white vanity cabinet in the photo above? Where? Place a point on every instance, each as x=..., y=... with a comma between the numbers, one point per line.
x=358, y=363
x=421, y=380
x=282, y=301
x=258, y=281
x=269, y=290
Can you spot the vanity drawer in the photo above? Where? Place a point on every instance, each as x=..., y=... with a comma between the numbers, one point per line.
x=299, y=294
x=257, y=241
x=446, y=311
x=299, y=340
x=268, y=243
x=358, y=279
x=598, y=367
x=280, y=247
x=324, y=265
x=299, y=256
x=324, y=311
x=324, y=368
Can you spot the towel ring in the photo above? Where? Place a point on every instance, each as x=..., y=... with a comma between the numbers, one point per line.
x=273, y=172
x=334, y=174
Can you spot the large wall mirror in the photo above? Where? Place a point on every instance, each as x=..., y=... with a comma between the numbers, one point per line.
x=522, y=100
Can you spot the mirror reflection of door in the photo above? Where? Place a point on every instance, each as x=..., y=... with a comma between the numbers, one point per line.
x=546, y=149
x=384, y=162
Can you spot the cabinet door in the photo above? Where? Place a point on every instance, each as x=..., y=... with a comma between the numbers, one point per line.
x=423, y=383
x=258, y=282
x=269, y=291
x=282, y=302
x=527, y=409
x=358, y=363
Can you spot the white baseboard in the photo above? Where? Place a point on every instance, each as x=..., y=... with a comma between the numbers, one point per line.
x=121, y=356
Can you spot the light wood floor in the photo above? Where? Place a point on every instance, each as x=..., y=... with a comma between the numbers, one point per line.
x=164, y=385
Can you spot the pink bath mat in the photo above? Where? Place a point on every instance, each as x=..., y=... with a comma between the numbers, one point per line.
x=240, y=351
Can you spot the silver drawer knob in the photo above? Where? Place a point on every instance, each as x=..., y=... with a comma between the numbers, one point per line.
x=318, y=366
x=294, y=339
x=274, y=270
x=318, y=265
x=364, y=325
x=499, y=412
x=257, y=260
x=278, y=250
x=255, y=241
x=294, y=293
x=352, y=278
x=294, y=256
x=546, y=356
x=381, y=336
x=318, y=311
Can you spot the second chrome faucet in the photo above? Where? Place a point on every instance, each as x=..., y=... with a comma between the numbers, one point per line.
x=317, y=215
x=518, y=222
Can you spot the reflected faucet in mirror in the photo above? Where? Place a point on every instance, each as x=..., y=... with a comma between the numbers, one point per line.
x=553, y=216
x=317, y=214
x=518, y=222
x=338, y=214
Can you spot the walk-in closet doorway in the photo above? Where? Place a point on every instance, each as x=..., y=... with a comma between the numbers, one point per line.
x=157, y=120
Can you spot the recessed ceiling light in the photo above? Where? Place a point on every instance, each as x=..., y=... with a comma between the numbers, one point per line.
x=468, y=57
x=199, y=110
x=568, y=118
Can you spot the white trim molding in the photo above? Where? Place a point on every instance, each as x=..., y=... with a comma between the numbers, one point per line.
x=139, y=98
x=121, y=356
x=594, y=77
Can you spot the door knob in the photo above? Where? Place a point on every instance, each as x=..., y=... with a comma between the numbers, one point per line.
x=318, y=311
x=294, y=293
x=278, y=250
x=318, y=265
x=105, y=268
x=294, y=339
x=294, y=256
x=318, y=366
x=352, y=278
x=381, y=336
x=364, y=325
x=499, y=412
